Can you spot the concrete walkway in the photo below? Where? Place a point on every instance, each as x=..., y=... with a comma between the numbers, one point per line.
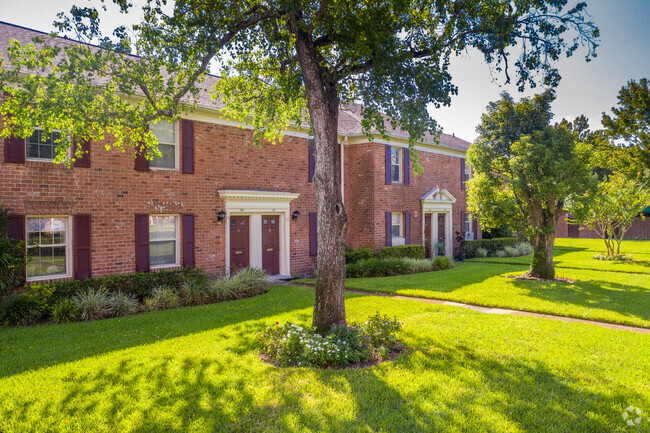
x=493, y=310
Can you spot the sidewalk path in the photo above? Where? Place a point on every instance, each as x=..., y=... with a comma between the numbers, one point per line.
x=491, y=310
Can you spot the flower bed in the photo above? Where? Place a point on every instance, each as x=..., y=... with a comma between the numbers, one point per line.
x=344, y=345
x=614, y=257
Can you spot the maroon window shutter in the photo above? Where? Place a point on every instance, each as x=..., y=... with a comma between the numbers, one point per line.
x=389, y=234
x=188, y=240
x=462, y=173
x=15, y=150
x=142, y=243
x=141, y=161
x=475, y=228
x=407, y=167
x=462, y=223
x=187, y=160
x=82, y=268
x=312, y=159
x=388, y=180
x=16, y=227
x=313, y=234
x=407, y=227
x=84, y=161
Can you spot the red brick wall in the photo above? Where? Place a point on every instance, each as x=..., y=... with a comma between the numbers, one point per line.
x=367, y=197
x=112, y=192
x=640, y=229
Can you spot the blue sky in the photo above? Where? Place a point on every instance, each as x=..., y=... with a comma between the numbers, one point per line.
x=586, y=88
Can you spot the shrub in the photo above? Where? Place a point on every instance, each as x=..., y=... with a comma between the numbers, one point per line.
x=417, y=266
x=501, y=253
x=164, y=297
x=491, y=245
x=377, y=267
x=194, y=291
x=140, y=285
x=148, y=305
x=353, y=256
x=122, y=304
x=65, y=311
x=403, y=251
x=524, y=249
x=18, y=310
x=442, y=262
x=481, y=252
x=290, y=344
x=511, y=251
x=43, y=295
x=93, y=304
x=220, y=289
x=249, y=282
x=614, y=257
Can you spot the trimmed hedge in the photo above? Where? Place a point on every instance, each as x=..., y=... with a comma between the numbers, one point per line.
x=353, y=256
x=403, y=251
x=139, y=285
x=491, y=245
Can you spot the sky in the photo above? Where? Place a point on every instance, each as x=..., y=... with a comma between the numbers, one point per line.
x=586, y=88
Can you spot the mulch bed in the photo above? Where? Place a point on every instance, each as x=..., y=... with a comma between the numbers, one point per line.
x=393, y=354
x=527, y=277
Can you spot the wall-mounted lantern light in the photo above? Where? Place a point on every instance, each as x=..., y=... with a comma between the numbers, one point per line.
x=294, y=215
x=221, y=215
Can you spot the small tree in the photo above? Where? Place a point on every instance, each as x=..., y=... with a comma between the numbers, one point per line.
x=611, y=210
x=525, y=170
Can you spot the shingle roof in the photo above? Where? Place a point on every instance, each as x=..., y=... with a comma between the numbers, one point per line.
x=349, y=115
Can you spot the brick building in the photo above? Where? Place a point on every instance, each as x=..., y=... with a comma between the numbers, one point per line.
x=215, y=201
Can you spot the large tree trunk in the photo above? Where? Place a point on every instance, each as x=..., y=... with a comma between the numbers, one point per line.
x=323, y=105
x=542, y=266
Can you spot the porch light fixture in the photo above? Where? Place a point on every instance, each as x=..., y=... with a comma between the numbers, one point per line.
x=294, y=215
x=221, y=215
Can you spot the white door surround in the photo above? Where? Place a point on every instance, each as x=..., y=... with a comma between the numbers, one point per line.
x=254, y=204
x=434, y=202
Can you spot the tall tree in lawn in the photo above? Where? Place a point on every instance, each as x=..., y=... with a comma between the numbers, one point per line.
x=524, y=171
x=630, y=127
x=282, y=62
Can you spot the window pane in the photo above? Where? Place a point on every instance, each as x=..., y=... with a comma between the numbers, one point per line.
x=394, y=173
x=46, y=151
x=164, y=131
x=168, y=158
x=394, y=155
x=395, y=231
x=396, y=218
x=162, y=228
x=162, y=253
x=45, y=258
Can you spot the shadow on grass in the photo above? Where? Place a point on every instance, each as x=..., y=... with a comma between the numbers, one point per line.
x=440, y=388
x=28, y=348
x=627, y=300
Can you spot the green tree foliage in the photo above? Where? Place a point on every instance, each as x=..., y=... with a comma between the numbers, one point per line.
x=524, y=171
x=280, y=63
x=630, y=124
x=611, y=208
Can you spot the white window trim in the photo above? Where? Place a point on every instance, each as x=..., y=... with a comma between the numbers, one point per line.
x=467, y=224
x=68, y=249
x=176, y=145
x=401, y=239
x=27, y=158
x=177, y=253
x=400, y=163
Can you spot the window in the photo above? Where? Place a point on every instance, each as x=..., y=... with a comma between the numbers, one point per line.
x=467, y=175
x=165, y=132
x=42, y=146
x=397, y=228
x=467, y=223
x=48, y=247
x=163, y=240
x=396, y=159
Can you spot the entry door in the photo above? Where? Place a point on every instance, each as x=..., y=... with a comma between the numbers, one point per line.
x=239, y=247
x=271, y=244
x=427, y=235
x=441, y=234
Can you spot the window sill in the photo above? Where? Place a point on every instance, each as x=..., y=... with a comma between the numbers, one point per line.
x=47, y=278
x=160, y=267
x=163, y=169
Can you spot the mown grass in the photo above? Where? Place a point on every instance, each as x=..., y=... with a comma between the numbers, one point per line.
x=196, y=369
x=578, y=254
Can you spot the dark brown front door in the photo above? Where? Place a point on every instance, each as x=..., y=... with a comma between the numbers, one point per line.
x=239, y=254
x=271, y=244
x=441, y=234
x=427, y=235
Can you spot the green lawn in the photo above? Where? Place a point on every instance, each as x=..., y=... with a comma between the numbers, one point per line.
x=610, y=292
x=196, y=369
x=578, y=254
